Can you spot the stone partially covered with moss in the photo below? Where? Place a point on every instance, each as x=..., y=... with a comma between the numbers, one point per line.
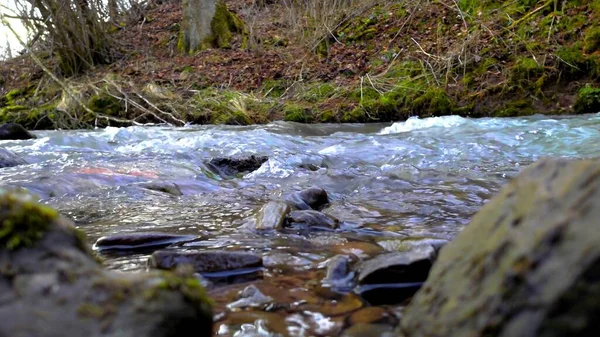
x=526, y=265
x=588, y=101
x=51, y=284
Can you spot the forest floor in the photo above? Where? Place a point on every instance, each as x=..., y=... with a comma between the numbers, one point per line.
x=348, y=61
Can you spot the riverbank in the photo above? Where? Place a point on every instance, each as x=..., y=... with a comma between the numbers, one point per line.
x=369, y=61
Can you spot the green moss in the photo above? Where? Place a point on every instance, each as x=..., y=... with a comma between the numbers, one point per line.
x=328, y=116
x=525, y=69
x=295, y=113
x=588, y=100
x=520, y=107
x=591, y=43
x=572, y=62
x=91, y=310
x=189, y=286
x=274, y=88
x=434, y=102
x=318, y=92
x=223, y=25
x=105, y=104
x=22, y=221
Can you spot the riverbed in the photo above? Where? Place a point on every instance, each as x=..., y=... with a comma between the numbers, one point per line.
x=388, y=183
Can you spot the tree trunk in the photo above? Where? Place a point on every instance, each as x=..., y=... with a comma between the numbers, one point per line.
x=206, y=24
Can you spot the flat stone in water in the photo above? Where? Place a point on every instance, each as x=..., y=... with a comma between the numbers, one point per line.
x=164, y=187
x=401, y=267
x=310, y=198
x=312, y=219
x=9, y=159
x=205, y=261
x=140, y=241
x=271, y=216
x=371, y=330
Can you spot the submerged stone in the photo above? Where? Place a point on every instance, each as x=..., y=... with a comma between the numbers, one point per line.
x=140, y=241
x=51, y=285
x=338, y=275
x=250, y=297
x=312, y=219
x=401, y=267
x=205, y=261
x=528, y=264
x=231, y=167
x=10, y=159
x=271, y=216
x=14, y=131
x=310, y=198
x=164, y=187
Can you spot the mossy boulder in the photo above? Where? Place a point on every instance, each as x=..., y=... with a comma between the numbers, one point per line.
x=588, y=101
x=52, y=285
x=526, y=265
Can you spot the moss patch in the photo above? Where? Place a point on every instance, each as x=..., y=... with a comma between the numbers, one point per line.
x=22, y=222
x=588, y=100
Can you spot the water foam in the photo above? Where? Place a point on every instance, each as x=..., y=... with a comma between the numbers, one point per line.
x=414, y=123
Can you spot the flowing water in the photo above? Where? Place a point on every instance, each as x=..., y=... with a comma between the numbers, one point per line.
x=423, y=178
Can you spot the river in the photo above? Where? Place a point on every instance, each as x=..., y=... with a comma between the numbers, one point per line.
x=423, y=178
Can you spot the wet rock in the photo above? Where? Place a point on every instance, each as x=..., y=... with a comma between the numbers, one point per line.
x=51, y=285
x=311, y=198
x=10, y=159
x=360, y=249
x=401, y=267
x=312, y=219
x=338, y=276
x=371, y=330
x=205, y=261
x=408, y=244
x=164, y=187
x=139, y=241
x=14, y=131
x=370, y=315
x=250, y=297
x=526, y=265
x=271, y=216
x=231, y=167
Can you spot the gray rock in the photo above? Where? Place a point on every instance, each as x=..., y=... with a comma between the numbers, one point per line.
x=51, y=285
x=140, y=241
x=250, y=297
x=14, y=131
x=231, y=167
x=401, y=267
x=338, y=276
x=271, y=216
x=528, y=264
x=205, y=261
x=310, y=218
x=311, y=198
x=10, y=159
x=164, y=187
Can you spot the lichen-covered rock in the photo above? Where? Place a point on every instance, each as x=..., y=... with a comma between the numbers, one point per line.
x=526, y=265
x=9, y=159
x=271, y=216
x=14, y=131
x=52, y=285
